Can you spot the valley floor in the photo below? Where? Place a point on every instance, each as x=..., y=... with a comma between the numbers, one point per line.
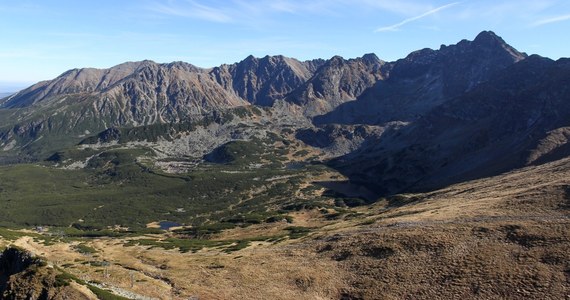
x=505, y=237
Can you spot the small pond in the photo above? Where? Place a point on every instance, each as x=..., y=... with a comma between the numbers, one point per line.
x=166, y=225
x=295, y=165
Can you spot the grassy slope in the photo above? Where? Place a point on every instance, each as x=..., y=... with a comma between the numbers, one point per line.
x=501, y=237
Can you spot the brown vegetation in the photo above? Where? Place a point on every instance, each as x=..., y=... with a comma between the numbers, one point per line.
x=501, y=237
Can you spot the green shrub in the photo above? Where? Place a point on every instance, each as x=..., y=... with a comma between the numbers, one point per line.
x=105, y=295
x=203, y=231
x=61, y=280
x=84, y=249
x=296, y=232
x=238, y=246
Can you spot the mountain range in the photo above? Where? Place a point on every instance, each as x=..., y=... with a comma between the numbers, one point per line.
x=436, y=117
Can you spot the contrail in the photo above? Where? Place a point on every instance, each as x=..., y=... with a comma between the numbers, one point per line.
x=406, y=21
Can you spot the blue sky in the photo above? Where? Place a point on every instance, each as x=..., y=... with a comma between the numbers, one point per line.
x=43, y=38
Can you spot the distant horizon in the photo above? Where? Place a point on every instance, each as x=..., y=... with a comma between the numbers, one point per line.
x=10, y=88
x=43, y=39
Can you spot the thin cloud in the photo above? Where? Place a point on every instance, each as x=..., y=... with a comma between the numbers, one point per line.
x=329, y=6
x=319, y=7
x=284, y=6
x=412, y=19
x=551, y=20
x=256, y=11
x=192, y=10
x=399, y=7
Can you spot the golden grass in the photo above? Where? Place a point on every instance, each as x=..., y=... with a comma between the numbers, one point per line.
x=499, y=237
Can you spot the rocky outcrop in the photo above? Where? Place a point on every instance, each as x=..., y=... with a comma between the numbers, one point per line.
x=338, y=81
x=132, y=93
x=426, y=79
x=516, y=118
x=13, y=261
x=472, y=109
x=81, y=102
x=339, y=140
x=262, y=81
x=24, y=276
x=71, y=82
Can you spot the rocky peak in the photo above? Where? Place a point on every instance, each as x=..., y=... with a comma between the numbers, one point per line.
x=427, y=78
x=86, y=80
x=314, y=65
x=261, y=81
x=248, y=62
x=276, y=59
x=488, y=38
x=371, y=58
x=422, y=56
x=335, y=61
x=490, y=42
x=470, y=62
x=337, y=81
x=516, y=117
x=184, y=66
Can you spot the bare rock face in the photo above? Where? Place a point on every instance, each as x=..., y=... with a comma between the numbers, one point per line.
x=339, y=140
x=138, y=93
x=261, y=81
x=338, y=81
x=516, y=118
x=146, y=92
x=556, y=145
x=426, y=79
x=462, y=66
x=167, y=93
x=463, y=111
x=71, y=82
x=80, y=102
x=88, y=101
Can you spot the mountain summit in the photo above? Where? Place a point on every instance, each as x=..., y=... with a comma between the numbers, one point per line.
x=441, y=175
x=426, y=79
x=430, y=118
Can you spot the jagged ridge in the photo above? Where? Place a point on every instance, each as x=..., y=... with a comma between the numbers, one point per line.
x=399, y=102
